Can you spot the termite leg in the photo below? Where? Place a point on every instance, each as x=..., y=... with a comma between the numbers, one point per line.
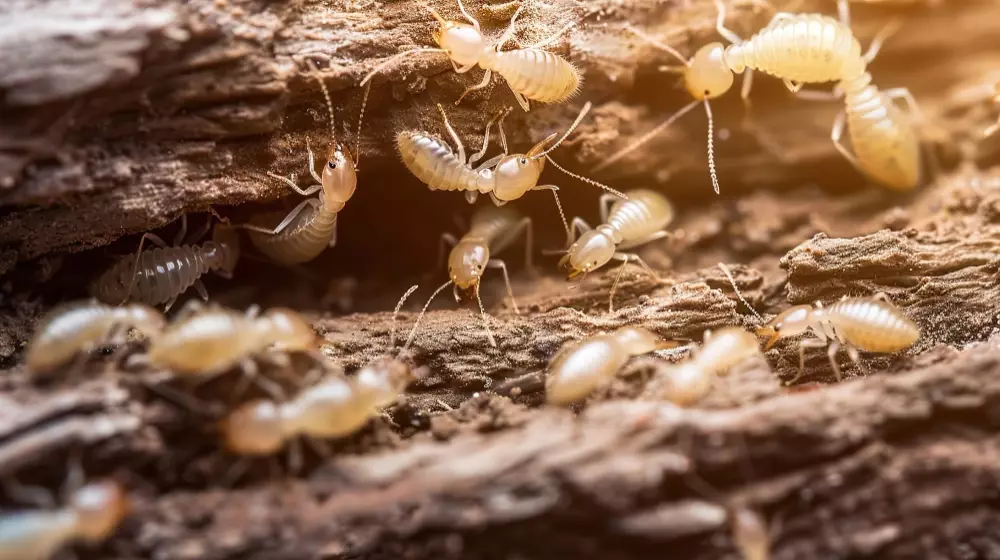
x=911, y=103
x=521, y=100
x=662, y=46
x=486, y=141
x=199, y=233
x=182, y=231
x=887, y=31
x=199, y=287
x=523, y=225
x=497, y=263
x=462, y=69
x=446, y=239
x=720, y=25
x=578, y=226
x=836, y=134
x=793, y=87
x=844, y=12
x=806, y=343
x=605, y=203
x=285, y=222
x=252, y=373
x=831, y=353
x=655, y=236
x=882, y=296
x=625, y=258
x=487, y=75
x=304, y=192
x=490, y=163
x=854, y=355
x=170, y=304
x=509, y=32
x=453, y=134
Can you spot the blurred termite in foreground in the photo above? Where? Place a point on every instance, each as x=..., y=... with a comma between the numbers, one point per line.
x=92, y=513
x=161, y=275
x=205, y=341
x=625, y=224
x=580, y=367
x=531, y=73
x=311, y=226
x=492, y=230
x=504, y=177
x=334, y=407
x=689, y=381
x=75, y=329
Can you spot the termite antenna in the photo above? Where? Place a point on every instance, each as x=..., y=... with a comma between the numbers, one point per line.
x=572, y=127
x=329, y=103
x=662, y=46
x=647, y=137
x=396, y=57
x=395, y=313
x=416, y=324
x=486, y=323
x=711, y=150
x=729, y=275
x=435, y=14
x=587, y=180
x=357, y=136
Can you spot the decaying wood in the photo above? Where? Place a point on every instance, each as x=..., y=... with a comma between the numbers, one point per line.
x=155, y=109
x=217, y=93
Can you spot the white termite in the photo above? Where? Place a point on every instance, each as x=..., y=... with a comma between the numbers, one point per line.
x=505, y=177
x=580, y=367
x=868, y=324
x=492, y=229
x=532, y=73
x=626, y=224
x=311, y=227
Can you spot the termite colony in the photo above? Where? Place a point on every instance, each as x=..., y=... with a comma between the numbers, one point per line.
x=201, y=342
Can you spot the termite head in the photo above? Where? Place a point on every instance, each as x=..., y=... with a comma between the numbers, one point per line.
x=340, y=177
x=790, y=322
x=255, y=428
x=99, y=508
x=517, y=174
x=288, y=330
x=638, y=341
x=467, y=261
x=462, y=42
x=591, y=251
x=142, y=318
x=707, y=75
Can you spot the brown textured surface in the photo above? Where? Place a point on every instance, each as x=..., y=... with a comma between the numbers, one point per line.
x=153, y=109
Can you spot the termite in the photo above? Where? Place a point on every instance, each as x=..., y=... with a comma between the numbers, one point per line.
x=93, y=512
x=492, y=229
x=580, y=367
x=798, y=48
x=504, y=177
x=531, y=73
x=78, y=328
x=207, y=341
x=311, y=226
x=626, y=224
x=335, y=407
x=856, y=324
x=689, y=381
x=161, y=275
